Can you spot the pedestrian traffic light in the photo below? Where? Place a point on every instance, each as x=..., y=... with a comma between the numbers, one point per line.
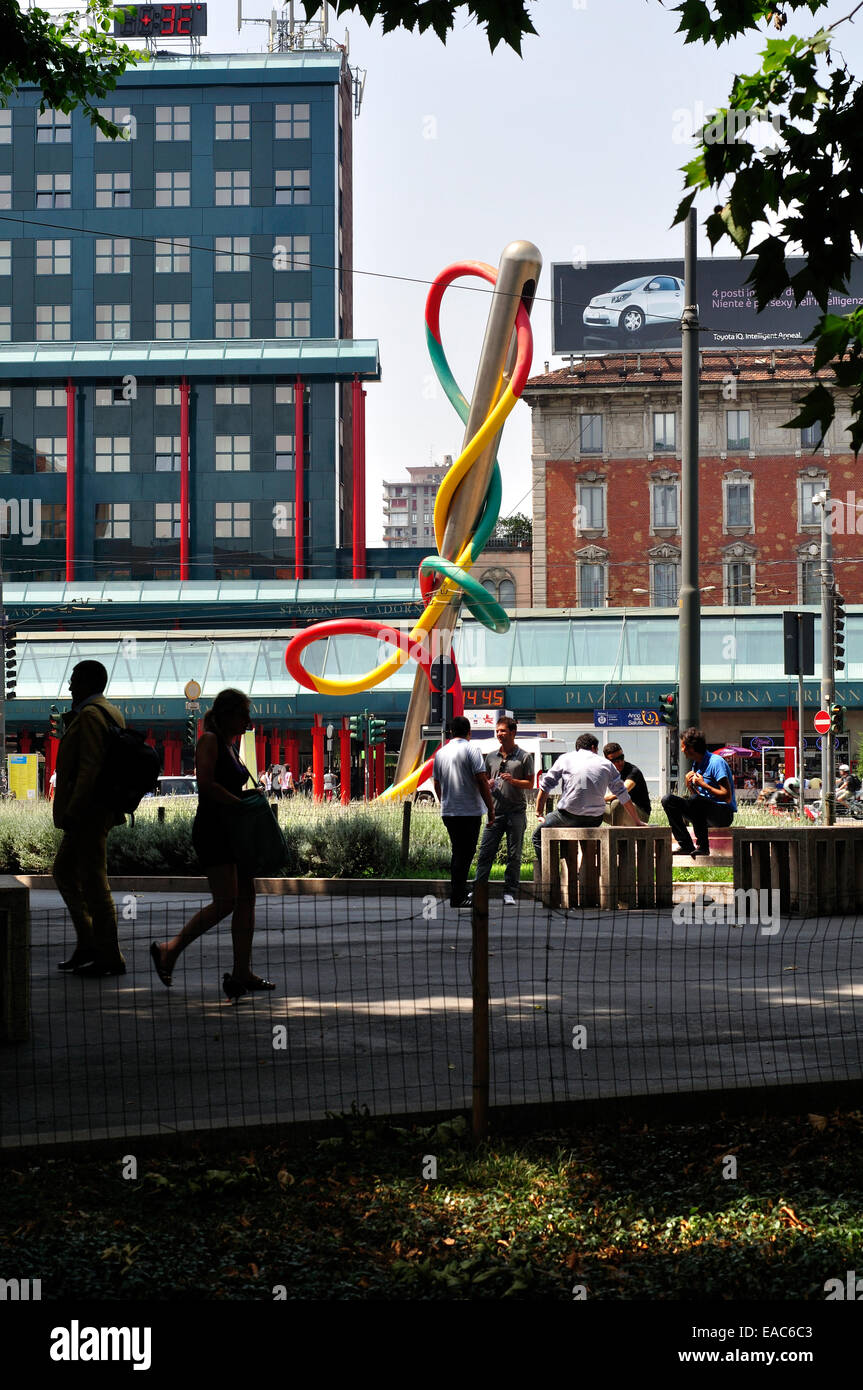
x=838, y=631
x=668, y=709
x=837, y=719
x=54, y=722
x=191, y=730
x=10, y=640
x=377, y=731
x=442, y=676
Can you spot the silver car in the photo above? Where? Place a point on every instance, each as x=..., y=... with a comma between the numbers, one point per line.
x=628, y=308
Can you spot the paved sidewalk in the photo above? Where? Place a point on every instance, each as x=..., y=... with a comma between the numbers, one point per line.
x=373, y=1006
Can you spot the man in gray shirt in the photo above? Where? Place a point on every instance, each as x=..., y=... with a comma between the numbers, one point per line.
x=461, y=786
x=510, y=771
x=585, y=777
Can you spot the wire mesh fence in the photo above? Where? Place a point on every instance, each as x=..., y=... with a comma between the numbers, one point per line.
x=373, y=1008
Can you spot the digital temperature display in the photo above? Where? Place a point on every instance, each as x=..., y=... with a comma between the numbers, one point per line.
x=162, y=21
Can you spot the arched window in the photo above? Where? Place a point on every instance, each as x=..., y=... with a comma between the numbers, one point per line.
x=500, y=585
x=506, y=593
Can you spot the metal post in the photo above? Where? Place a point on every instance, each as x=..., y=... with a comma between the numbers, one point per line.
x=828, y=775
x=4, y=784
x=185, y=523
x=690, y=597
x=299, y=480
x=406, y=831
x=479, y=924
x=800, y=776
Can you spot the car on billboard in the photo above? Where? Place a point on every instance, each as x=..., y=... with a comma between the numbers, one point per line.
x=647, y=301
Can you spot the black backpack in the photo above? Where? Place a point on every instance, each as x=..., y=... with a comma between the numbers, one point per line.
x=131, y=769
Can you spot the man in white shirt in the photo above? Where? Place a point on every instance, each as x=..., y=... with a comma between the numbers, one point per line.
x=585, y=777
x=461, y=786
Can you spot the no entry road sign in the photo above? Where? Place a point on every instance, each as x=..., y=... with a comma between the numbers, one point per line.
x=822, y=722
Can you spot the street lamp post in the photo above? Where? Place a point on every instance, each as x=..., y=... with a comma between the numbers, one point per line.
x=828, y=773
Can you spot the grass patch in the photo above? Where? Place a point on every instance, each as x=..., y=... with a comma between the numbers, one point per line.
x=629, y=1211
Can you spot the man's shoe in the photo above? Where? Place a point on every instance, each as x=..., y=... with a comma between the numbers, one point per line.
x=681, y=850
x=98, y=970
x=465, y=902
x=77, y=959
x=508, y=900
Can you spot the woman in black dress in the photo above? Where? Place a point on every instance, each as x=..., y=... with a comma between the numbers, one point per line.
x=221, y=778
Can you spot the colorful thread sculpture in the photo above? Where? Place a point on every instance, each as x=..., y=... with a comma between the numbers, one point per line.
x=440, y=580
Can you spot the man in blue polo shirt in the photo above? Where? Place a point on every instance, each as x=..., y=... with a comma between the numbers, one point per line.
x=711, y=799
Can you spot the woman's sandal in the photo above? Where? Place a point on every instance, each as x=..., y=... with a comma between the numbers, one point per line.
x=231, y=988
x=256, y=982
x=163, y=974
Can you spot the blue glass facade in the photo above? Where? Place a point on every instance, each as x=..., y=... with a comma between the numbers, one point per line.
x=225, y=219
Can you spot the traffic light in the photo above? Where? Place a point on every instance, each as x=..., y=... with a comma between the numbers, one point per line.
x=10, y=639
x=356, y=724
x=191, y=730
x=377, y=731
x=838, y=631
x=442, y=675
x=54, y=722
x=668, y=709
x=837, y=719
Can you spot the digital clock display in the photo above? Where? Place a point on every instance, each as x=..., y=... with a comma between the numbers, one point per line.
x=162, y=21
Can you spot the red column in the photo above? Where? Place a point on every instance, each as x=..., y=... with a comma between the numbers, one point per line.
x=789, y=738
x=299, y=480
x=25, y=741
x=151, y=738
x=345, y=759
x=171, y=755
x=318, y=735
x=275, y=748
x=261, y=751
x=184, y=479
x=380, y=768
x=70, y=480
x=292, y=754
x=358, y=452
x=51, y=746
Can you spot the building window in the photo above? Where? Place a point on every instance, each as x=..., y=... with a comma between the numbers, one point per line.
x=172, y=188
x=591, y=584
x=53, y=396
x=738, y=503
x=737, y=429
x=293, y=186
x=173, y=321
x=53, y=127
x=167, y=521
x=232, y=253
x=53, y=257
x=114, y=189
x=739, y=581
x=51, y=453
x=172, y=255
x=233, y=520
x=664, y=583
x=292, y=253
x=112, y=453
x=232, y=320
x=119, y=116
x=292, y=121
x=807, y=488
x=53, y=191
x=293, y=319
x=53, y=323
x=284, y=451
x=113, y=521
x=113, y=321
x=590, y=514
x=590, y=434
x=111, y=395
x=810, y=581
x=233, y=453
x=231, y=123
x=172, y=123
x=113, y=255
x=664, y=434
x=5, y=322
x=167, y=395
x=5, y=190
x=53, y=521
x=812, y=437
x=5, y=127
x=232, y=188
x=233, y=395
x=5, y=258
x=167, y=453
x=665, y=504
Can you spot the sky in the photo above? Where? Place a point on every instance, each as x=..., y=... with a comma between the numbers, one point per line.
x=576, y=146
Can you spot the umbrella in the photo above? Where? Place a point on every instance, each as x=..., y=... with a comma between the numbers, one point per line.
x=734, y=752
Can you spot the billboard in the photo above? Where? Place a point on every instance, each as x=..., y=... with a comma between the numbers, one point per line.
x=607, y=306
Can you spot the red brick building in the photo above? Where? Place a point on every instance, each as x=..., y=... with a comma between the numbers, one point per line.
x=606, y=483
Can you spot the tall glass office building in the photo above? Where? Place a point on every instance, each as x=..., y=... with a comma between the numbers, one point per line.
x=181, y=396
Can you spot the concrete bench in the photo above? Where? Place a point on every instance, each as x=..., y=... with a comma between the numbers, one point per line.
x=814, y=868
x=14, y=960
x=619, y=865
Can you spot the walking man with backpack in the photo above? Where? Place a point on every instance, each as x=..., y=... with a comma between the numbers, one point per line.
x=83, y=812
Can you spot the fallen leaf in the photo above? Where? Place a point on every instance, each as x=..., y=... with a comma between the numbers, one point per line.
x=818, y=1122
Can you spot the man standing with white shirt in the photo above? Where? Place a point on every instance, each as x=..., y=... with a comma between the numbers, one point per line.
x=585, y=778
x=461, y=786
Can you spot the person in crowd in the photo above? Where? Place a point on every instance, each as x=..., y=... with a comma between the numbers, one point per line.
x=633, y=780
x=847, y=786
x=510, y=773
x=267, y=781
x=81, y=866
x=306, y=782
x=221, y=779
x=585, y=777
x=461, y=786
x=329, y=785
x=711, y=799
x=286, y=782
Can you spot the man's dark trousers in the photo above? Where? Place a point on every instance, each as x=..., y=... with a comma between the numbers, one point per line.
x=463, y=833
x=560, y=818
x=510, y=822
x=702, y=812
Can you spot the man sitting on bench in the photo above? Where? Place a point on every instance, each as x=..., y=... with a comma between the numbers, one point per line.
x=585, y=778
x=711, y=800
